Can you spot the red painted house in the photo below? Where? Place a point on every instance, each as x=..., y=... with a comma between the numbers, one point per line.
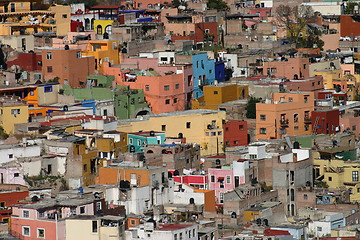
x=235, y=133
x=199, y=181
x=325, y=121
x=27, y=62
x=339, y=98
x=7, y=199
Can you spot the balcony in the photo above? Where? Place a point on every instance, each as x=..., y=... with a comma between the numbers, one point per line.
x=307, y=119
x=284, y=123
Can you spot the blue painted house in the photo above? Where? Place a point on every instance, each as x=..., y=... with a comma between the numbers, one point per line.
x=220, y=75
x=140, y=139
x=203, y=73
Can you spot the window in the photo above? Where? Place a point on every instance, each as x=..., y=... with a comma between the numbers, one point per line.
x=163, y=127
x=188, y=124
x=15, y=111
x=166, y=88
x=64, y=16
x=312, y=84
x=306, y=99
x=26, y=214
x=296, y=128
x=132, y=222
x=330, y=179
x=128, y=31
x=139, y=142
x=263, y=117
x=177, y=86
x=78, y=54
x=228, y=179
x=94, y=226
x=262, y=130
x=219, y=133
x=241, y=127
x=163, y=59
x=355, y=176
x=41, y=233
x=319, y=229
x=304, y=66
x=353, y=127
x=130, y=141
x=16, y=174
x=180, y=237
x=11, y=156
x=48, y=89
x=82, y=210
x=26, y=231
x=305, y=196
x=306, y=127
x=49, y=69
x=212, y=178
x=147, y=88
x=216, y=92
x=85, y=167
x=222, y=183
x=175, y=100
x=167, y=101
x=49, y=55
x=221, y=197
x=175, y=236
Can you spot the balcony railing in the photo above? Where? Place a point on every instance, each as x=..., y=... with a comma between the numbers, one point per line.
x=284, y=123
x=307, y=119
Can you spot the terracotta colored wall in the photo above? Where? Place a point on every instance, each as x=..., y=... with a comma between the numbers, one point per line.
x=348, y=27
x=234, y=134
x=112, y=175
x=17, y=223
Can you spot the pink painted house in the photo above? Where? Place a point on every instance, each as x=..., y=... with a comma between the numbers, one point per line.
x=290, y=68
x=45, y=219
x=75, y=40
x=12, y=175
x=221, y=180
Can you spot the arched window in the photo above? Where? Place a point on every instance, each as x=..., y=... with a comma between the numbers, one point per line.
x=150, y=151
x=87, y=24
x=99, y=29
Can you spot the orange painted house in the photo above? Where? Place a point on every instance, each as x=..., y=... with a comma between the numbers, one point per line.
x=109, y=175
x=286, y=113
x=69, y=66
x=164, y=93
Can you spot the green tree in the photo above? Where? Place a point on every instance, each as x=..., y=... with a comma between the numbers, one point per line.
x=251, y=107
x=217, y=4
x=295, y=20
x=3, y=134
x=350, y=7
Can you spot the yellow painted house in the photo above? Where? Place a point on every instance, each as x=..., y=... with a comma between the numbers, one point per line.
x=329, y=76
x=338, y=173
x=18, y=18
x=103, y=51
x=201, y=126
x=12, y=111
x=218, y=94
x=102, y=26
